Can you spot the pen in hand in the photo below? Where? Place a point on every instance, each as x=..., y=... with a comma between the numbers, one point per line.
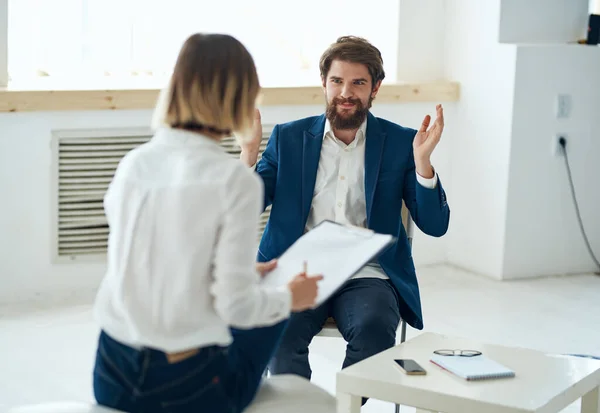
x=304, y=289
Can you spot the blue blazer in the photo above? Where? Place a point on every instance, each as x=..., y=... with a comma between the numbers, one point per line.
x=289, y=170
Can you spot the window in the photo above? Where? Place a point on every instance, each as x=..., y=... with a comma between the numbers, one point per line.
x=77, y=40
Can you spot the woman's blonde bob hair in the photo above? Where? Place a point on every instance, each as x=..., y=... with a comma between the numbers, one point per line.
x=214, y=87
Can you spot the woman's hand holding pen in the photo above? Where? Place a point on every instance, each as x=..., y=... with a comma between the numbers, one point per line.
x=304, y=290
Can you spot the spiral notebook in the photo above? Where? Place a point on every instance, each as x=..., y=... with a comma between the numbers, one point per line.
x=472, y=368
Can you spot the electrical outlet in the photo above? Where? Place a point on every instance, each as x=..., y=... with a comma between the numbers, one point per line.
x=557, y=150
x=563, y=106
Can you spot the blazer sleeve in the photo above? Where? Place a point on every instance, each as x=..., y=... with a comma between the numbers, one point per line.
x=268, y=165
x=428, y=207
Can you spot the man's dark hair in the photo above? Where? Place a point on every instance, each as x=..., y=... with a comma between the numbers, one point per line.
x=355, y=50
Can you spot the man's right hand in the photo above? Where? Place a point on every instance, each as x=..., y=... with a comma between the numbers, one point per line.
x=304, y=291
x=251, y=147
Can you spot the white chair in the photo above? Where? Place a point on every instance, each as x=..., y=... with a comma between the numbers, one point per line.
x=278, y=394
x=330, y=328
x=287, y=393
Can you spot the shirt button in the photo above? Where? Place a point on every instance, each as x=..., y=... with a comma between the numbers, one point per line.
x=342, y=177
x=339, y=204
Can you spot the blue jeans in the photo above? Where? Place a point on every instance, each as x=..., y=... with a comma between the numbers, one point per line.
x=215, y=380
x=367, y=314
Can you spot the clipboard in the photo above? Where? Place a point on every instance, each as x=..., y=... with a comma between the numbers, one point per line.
x=330, y=249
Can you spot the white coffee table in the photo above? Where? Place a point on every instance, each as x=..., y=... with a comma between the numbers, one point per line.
x=543, y=383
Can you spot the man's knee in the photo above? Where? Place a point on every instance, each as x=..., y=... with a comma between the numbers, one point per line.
x=300, y=330
x=374, y=331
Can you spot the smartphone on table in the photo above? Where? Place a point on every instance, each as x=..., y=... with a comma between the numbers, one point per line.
x=410, y=367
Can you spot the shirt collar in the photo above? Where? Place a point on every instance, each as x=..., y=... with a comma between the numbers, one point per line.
x=175, y=136
x=360, y=133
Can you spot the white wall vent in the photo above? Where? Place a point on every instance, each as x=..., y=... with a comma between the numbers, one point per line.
x=84, y=162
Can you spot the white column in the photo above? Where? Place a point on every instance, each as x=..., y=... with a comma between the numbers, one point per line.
x=421, y=44
x=3, y=43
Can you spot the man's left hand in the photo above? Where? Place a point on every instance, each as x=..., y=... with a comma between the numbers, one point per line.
x=425, y=142
x=263, y=268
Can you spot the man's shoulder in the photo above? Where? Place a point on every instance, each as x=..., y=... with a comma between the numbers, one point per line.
x=299, y=124
x=394, y=129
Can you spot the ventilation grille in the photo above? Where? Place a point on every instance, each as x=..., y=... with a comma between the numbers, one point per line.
x=86, y=165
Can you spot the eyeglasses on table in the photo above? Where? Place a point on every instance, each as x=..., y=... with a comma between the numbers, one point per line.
x=460, y=353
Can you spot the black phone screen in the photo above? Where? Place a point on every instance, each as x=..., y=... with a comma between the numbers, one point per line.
x=410, y=366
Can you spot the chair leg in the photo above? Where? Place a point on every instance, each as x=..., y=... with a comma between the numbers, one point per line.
x=402, y=340
x=403, y=334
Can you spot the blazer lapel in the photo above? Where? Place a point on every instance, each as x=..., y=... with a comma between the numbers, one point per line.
x=374, y=144
x=311, y=153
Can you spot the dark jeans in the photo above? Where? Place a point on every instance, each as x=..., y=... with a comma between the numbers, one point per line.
x=367, y=314
x=215, y=380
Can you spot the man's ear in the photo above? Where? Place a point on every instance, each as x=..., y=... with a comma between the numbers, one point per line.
x=323, y=84
x=375, y=89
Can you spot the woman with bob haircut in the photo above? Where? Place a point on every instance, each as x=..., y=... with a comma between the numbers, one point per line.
x=185, y=324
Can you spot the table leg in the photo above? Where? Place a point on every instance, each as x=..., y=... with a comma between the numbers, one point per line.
x=348, y=403
x=590, y=403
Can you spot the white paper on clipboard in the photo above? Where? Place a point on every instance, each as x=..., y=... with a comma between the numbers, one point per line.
x=333, y=250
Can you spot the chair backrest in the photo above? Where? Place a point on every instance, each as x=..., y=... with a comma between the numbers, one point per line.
x=409, y=227
x=408, y=223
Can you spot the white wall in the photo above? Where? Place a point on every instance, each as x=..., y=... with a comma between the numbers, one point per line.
x=543, y=21
x=26, y=269
x=3, y=43
x=421, y=48
x=25, y=210
x=512, y=212
x=421, y=40
x=429, y=250
x=542, y=233
x=481, y=139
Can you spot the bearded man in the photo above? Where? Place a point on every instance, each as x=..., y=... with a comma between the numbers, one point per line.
x=353, y=168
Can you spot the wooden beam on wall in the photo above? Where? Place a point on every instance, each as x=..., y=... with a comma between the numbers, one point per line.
x=58, y=100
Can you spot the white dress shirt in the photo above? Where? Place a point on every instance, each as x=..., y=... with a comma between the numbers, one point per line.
x=183, y=219
x=340, y=186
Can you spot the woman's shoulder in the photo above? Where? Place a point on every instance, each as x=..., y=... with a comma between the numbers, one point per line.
x=241, y=176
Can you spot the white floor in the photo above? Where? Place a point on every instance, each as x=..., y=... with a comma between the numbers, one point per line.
x=46, y=354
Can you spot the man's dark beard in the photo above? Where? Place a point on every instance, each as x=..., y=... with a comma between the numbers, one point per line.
x=341, y=122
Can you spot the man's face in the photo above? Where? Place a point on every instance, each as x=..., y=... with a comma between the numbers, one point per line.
x=349, y=93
